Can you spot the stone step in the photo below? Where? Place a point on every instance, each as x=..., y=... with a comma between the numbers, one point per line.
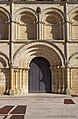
x=37, y=95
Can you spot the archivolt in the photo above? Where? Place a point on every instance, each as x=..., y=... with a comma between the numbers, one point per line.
x=72, y=13
x=38, y=49
x=49, y=10
x=73, y=58
x=6, y=13
x=4, y=60
x=25, y=9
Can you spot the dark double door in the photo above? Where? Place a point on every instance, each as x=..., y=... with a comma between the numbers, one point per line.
x=39, y=76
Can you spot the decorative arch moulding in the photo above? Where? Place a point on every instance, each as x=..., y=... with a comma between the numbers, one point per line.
x=31, y=50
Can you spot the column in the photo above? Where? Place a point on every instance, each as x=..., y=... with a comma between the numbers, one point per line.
x=12, y=78
x=53, y=78
x=63, y=80
x=21, y=81
x=16, y=79
x=59, y=79
x=13, y=81
x=24, y=81
x=20, y=78
x=55, y=83
x=63, y=23
x=38, y=10
x=27, y=73
x=68, y=82
x=70, y=79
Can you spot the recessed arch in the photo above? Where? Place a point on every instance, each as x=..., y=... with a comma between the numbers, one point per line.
x=73, y=19
x=26, y=20
x=24, y=9
x=4, y=60
x=6, y=13
x=48, y=10
x=73, y=60
x=73, y=25
x=27, y=27
x=71, y=13
x=37, y=49
x=52, y=27
x=4, y=26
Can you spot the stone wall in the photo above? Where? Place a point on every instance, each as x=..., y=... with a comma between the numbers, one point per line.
x=38, y=29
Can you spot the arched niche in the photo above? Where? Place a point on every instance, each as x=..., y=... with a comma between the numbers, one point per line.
x=73, y=60
x=52, y=26
x=4, y=26
x=74, y=27
x=26, y=26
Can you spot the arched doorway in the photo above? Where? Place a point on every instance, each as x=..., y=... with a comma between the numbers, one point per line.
x=39, y=76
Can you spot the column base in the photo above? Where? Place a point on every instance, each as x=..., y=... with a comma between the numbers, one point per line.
x=18, y=91
x=7, y=92
x=23, y=91
x=68, y=91
x=15, y=91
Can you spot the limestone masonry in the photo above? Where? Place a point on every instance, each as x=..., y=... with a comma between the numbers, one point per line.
x=38, y=46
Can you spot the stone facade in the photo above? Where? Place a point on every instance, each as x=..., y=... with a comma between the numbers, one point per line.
x=38, y=28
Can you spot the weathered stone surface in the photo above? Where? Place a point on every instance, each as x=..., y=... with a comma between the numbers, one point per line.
x=51, y=33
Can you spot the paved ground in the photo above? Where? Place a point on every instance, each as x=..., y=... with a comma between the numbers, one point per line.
x=39, y=106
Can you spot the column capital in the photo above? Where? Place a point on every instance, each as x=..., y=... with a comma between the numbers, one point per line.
x=53, y=67
x=27, y=68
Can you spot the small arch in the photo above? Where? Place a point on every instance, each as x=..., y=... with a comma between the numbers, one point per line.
x=73, y=60
x=6, y=13
x=24, y=9
x=4, y=26
x=25, y=19
x=73, y=23
x=72, y=13
x=52, y=26
x=27, y=26
x=58, y=11
x=74, y=27
x=4, y=60
x=2, y=63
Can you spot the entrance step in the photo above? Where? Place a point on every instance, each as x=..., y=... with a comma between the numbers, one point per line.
x=35, y=95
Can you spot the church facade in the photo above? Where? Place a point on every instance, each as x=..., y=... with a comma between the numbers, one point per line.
x=38, y=46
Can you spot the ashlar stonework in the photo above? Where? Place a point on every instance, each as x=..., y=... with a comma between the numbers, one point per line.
x=38, y=47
